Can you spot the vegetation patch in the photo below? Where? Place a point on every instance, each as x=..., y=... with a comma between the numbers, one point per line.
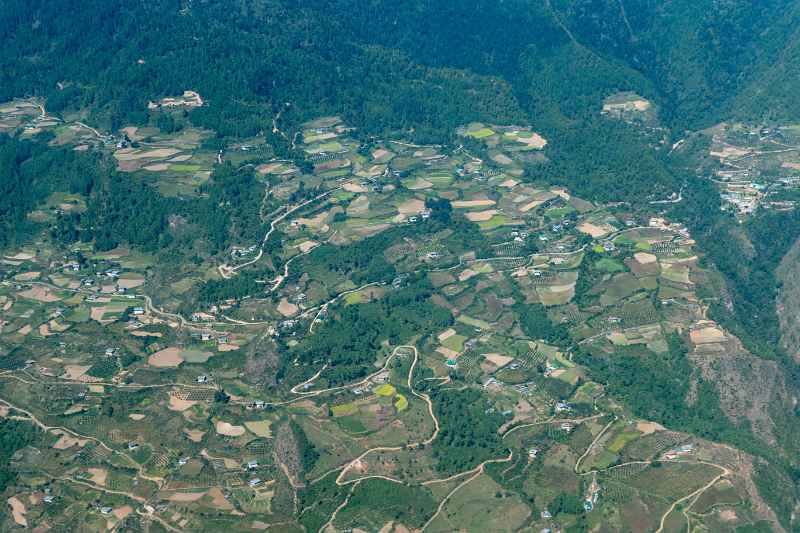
x=385, y=390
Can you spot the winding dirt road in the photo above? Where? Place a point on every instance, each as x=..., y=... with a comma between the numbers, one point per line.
x=228, y=271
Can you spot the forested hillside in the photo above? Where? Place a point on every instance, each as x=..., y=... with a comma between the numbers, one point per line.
x=544, y=250
x=548, y=60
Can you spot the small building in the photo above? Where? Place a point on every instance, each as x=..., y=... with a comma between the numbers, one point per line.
x=138, y=311
x=252, y=465
x=182, y=461
x=133, y=445
x=202, y=379
x=254, y=482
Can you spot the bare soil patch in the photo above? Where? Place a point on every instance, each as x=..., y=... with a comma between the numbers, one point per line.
x=459, y=204
x=122, y=512
x=176, y=404
x=645, y=258
x=67, y=441
x=27, y=276
x=75, y=371
x=481, y=216
x=419, y=184
x=18, y=511
x=411, y=206
x=218, y=499
x=166, y=358
x=497, y=359
x=307, y=246
x=130, y=282
x=40, y=294
x=229, y=430
x=447, y=352
x=138, y=333
x=707, y=335
x=132, y=154
x=315, y=222
x=531, y=205
x=502, y=159
x=594, y=230
x=352, y=186
x=185, y=497
x=21, y=256
x=534, y=141
x=262, y=428
x=98, y=312
x=98, y=476
x=446, y=334
x=194, y=435
x=227, y=347
x=648, y=427
x=466, y=274
x=287, y=308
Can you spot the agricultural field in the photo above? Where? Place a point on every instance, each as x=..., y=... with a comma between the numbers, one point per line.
x=402, y=322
